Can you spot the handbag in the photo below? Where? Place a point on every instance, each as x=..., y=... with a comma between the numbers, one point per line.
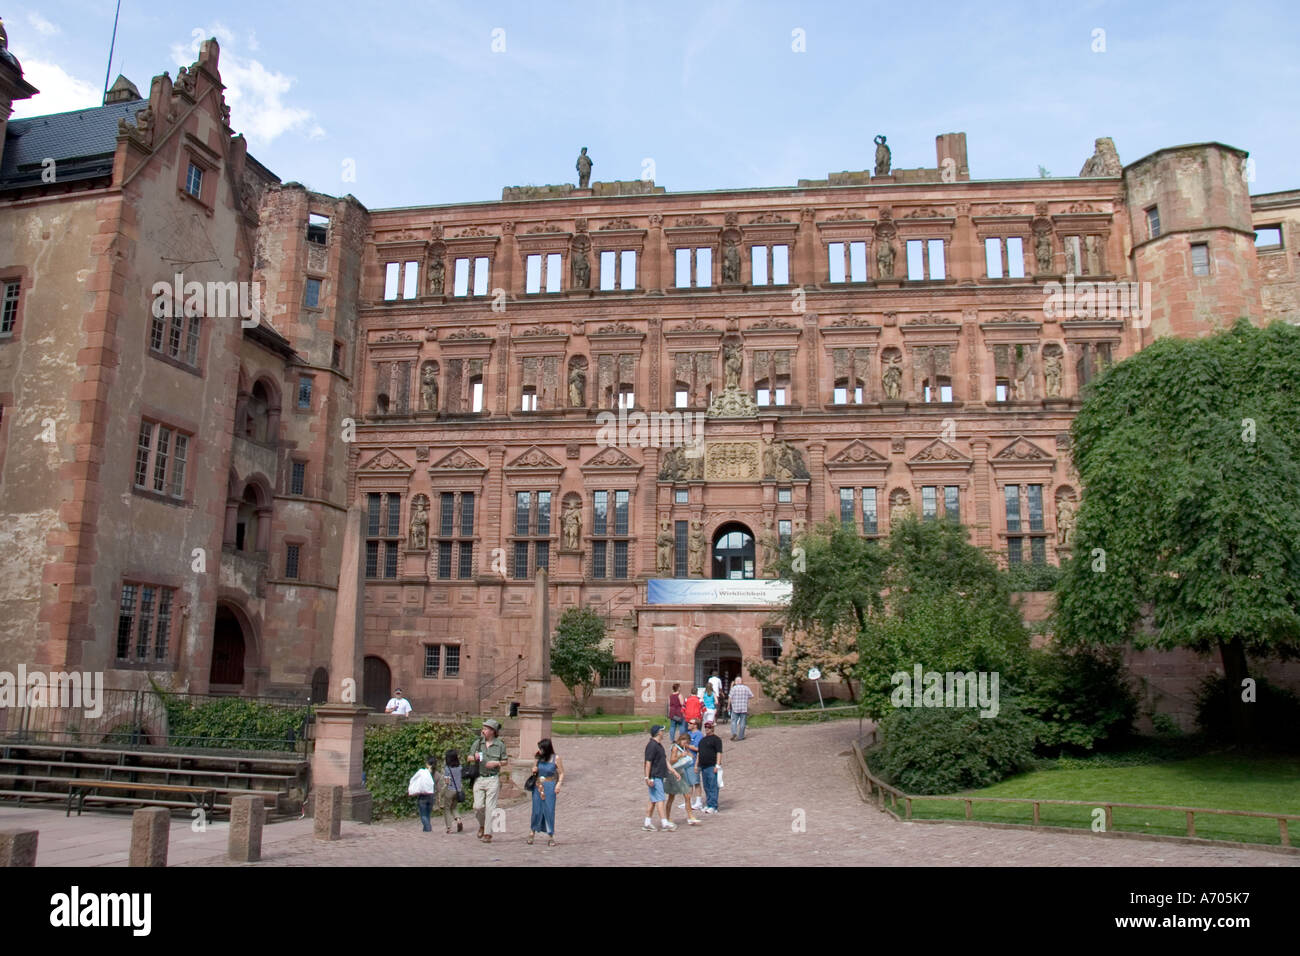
x=531, y=783
x=470, y=768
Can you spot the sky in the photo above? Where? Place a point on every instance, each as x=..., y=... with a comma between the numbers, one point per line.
x=408, y=104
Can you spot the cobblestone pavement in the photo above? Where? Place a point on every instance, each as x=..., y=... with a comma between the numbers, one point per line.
x=771, y=776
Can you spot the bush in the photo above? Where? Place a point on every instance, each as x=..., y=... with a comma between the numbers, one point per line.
x=1077, y=699
x=935, y=750
x=231, y=723
x=394, y=752
x=1276, y=717
x=1032, y=577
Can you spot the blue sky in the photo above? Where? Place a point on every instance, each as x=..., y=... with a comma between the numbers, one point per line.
x=708, y=94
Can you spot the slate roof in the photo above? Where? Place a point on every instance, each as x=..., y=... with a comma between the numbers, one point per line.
x=81, y=143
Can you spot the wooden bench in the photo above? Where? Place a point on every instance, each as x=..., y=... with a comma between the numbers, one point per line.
x=204, y=798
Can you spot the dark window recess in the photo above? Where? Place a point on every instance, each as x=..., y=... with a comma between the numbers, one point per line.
x=298, y=481
x=618, y=677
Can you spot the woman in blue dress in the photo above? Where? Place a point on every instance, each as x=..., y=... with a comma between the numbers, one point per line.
x=550, y=777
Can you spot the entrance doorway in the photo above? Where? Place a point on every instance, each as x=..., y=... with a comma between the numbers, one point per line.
x=376, y=684
x=719, y=653
x=733, y=553
x=226, y=675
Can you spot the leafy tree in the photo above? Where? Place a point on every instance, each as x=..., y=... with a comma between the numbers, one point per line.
x=1188, y=534
x=578, y=656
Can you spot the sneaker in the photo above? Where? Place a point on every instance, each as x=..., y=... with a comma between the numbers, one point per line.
x=649, y=828
x=697, y=805
x=692, y=822
x=669, y=825
x=709, y=810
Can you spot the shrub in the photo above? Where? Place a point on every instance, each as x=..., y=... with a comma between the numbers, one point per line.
x=1276, y=717
x=1165, y=726
x=1032, y=577
x=393, y=752
x=1077, y=699
x=231, y=723
x=934, y=750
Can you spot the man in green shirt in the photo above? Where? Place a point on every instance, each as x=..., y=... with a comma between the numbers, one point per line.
x=492, y=759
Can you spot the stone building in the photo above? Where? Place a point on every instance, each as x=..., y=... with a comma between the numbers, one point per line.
x=647, y=393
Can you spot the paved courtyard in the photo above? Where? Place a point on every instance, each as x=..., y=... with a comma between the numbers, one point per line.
x=776, y=778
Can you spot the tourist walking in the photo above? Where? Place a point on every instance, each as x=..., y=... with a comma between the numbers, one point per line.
x=423, y=788
x=693, y=709
x=550, y=776
x=453, y=791
x=695, y=735
x=676, y=715
x=710, y=704
x=739, y=701
x=681, y=759
x=490, y=755
x=710, y=767
x=656, y=772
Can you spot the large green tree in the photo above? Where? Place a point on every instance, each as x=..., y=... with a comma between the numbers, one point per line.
x=579, y=655
x=1188, y=533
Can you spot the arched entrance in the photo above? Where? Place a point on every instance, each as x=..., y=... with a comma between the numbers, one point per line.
x=719, y=653
x=733, y=553
x=226, y=674
x=376, y=683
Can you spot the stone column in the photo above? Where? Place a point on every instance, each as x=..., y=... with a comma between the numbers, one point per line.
x=535, y=709
x=654, y=273
x=341, y=723
x=18, y=848
x=803, y=264
x=150, y=832
x=817, y=469
x=982, y=488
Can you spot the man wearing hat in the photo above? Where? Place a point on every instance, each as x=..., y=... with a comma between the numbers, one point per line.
x=490, y=752
x=397, y=704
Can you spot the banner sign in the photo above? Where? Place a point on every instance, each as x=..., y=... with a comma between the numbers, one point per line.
x=697, y=591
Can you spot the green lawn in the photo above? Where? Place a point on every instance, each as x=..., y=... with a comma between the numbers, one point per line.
x=604, y=724
x=1215, y=781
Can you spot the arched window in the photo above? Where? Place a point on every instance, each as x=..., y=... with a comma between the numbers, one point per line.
x=733, y=553
x=256, y=413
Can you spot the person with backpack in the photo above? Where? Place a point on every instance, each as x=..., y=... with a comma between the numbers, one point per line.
x=423, y=788
x=453, y=792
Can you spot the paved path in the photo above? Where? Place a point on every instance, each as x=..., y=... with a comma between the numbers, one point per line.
x=775, y=778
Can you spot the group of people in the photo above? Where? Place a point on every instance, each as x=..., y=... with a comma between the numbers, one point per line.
x=488, y=757
x=691, y=769
x=702, y=706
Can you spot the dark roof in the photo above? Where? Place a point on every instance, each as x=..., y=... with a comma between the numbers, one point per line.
x=81, y=143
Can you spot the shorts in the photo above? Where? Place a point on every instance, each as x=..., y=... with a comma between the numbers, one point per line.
x=692, y=776
x=656, y=789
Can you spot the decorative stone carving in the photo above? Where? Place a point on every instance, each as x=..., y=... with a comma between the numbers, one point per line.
x=573, y=450
x=732, y=362
x=850, y=322
x=678, y=464
x=772, y=324
x=900, y=507
x=185, y=80
x=767, y=218
x=578, y=382
x=891, y=379
x=1010, y=316
x=581, y=265
x=938, y=450
x=611, y=458
x=931, y=318
x=571, y=522
x=855, y=453
x=541, y=330
x=731, y=262
x=1043, y=251
x=1063, y=441
x=615, y=328
x=769, y=541
x=437, y=276
x=617, y=224
x=883, y=156
x=695, y=325
x=422, y=453
x=732, y=403
x=1052, y=359
x=1001, y=209
x=732, y=461
x=692, y=221
x=458, y=460
x=1022, y=450
x=583, y=166
x=924, y=212
x=467, y=334
x=695, y=549
x=418, y=540
x=396, y=337
x=783, y=462
x=429, y=387
x=664, y=542
x=898, y=446
x=656, y=220
x=885, y=259
x=1065, y=518
x=473, y=232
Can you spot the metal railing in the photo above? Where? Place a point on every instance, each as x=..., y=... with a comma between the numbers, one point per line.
x=869, y=784
x=149, y=718
x=512, y=676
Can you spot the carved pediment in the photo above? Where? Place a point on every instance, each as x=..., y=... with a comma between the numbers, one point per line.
x=1022, y=449
x=387, y=462
x=396, y=337
x=617, y=224
x=924, y=212
x=851, y=322
x=693, y=221
x=534, y=458
x=541, y=330
x=458, y=460
x=773, y=324
x=473, y=232
x=930, y=318
x=694, y=325
x=938, y=451
x=1001, y=210
x=768, y=218
x=1081, y=207
x=468, y=334
x=1010, y=316
x=615, y=328
x=611, y=458
x=856, y=453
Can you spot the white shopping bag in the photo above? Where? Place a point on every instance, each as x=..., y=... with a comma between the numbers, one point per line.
x=720, y=783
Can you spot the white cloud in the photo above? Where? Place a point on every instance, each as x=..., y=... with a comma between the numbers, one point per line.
x=255, y=94
x=59, y=90
x=42, y=26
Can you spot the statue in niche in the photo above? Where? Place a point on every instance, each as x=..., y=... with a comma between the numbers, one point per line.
x=1052, y=373
x=1092, y=255
x=581, y=269
x=769, y=541
x=900, y=508
x=883, y=156
x=731, y=262
x=891, y=380
x=572, y=523
x=1064, y=523
x=429, y=388
x=664, y=548
x=437, y=276
x=583, y=166
x=577, y=386
x=1043, y=251
x=419, y=538
x=695, y=550
x=731, y=365
x=885, y=259
x=1071, y=260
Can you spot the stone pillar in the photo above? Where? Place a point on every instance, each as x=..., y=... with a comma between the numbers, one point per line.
x=328, y=813
x=654, y=267
x=535, y=710
x=341, y=723
x=150, y=832
x=803, y=262
x=981, y=480
x=247, y=814
x=817, y=470
x=18, y=848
